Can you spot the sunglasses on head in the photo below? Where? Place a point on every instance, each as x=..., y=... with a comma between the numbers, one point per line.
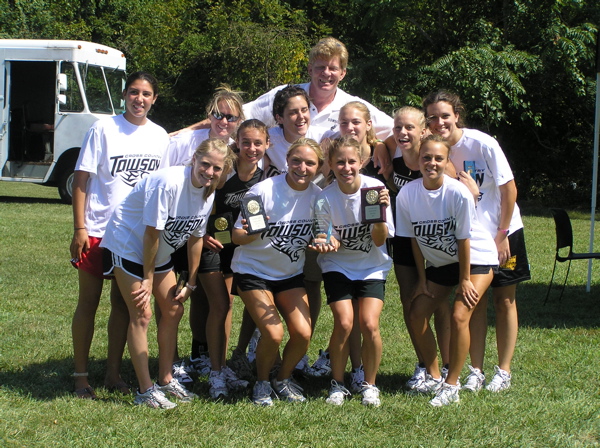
x=230, y=118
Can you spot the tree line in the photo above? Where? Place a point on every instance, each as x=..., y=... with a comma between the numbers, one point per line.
x=524, y=68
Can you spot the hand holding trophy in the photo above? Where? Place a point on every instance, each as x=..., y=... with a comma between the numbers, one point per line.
x=322, y=231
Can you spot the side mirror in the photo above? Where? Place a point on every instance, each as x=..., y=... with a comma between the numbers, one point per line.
x=62, y=99
x=62, y=82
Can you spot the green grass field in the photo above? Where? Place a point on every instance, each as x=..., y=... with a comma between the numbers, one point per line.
x=554, y=400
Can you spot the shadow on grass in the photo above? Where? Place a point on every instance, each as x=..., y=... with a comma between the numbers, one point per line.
x=32, y=200
x=577, y=308
x=52, y=379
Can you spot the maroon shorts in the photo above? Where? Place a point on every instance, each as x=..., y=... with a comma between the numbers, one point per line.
x=91, y=261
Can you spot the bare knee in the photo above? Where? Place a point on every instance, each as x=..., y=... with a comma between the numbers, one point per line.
x=272, y=335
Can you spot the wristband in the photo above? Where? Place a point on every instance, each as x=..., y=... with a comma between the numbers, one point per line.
x=504, y=231
x=79, y=228
x=190, y=287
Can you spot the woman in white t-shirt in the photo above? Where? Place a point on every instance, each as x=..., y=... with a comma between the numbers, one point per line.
x=225, y=113
x=438, y=213
x=355, y=264
x=160, y=214
x=291, y=111
x=268, y=269
x=215, y=274
x=116, y=153
x=480, y=155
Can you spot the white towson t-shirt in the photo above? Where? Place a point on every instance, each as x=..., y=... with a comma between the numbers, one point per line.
x=438, y=218
x=358, y=258
x=491, y=170
x=278, y=253
x=278, y=148
x=116, y=154
x=165, y=200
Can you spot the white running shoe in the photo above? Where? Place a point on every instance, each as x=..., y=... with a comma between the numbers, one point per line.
x=217, y=385
x=418, y=376
x=153, y=398
x=181, y=373
x=233, y=382
x=261, y=394
x=429, y=385
x=337, y=394
x=322, y=366
x=500, y=381
x=446, y=395
x=370, y=395
x=475, y=381
x=201, y=365
x=287, y=390
x=252, y=345
x=357, y=377
x=175, y=390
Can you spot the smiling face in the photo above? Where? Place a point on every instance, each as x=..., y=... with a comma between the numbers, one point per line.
x=139, y=98
x=433, y=159
x=222, y=128
x=352, y=122
x=325, y=74
x=296, y=118
x=303, y=165
x=442, y=120
x=252, y=144
x=207, y=168
x=408, y=132
x=345, y=163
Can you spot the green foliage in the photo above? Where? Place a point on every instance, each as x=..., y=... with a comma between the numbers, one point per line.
x=486, y=77
x=524, y=69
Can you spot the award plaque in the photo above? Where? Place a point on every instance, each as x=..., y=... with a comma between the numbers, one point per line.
x=322, y=226
x=253, y=212
x=219, y=227
x=371, y=210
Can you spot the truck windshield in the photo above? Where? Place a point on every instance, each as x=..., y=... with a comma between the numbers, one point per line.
x=99, y=99
x=116, y=83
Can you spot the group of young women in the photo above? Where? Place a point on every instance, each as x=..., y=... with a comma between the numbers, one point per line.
x=446, y=230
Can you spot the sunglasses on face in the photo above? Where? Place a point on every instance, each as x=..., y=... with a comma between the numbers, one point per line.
x=230, y=118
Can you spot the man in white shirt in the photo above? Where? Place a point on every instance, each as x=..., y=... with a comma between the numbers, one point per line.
x=327, y=63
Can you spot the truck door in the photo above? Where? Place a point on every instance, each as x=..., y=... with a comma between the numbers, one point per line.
x=4, y=110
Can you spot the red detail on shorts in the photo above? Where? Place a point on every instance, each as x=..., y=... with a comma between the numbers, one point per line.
x=91, y=261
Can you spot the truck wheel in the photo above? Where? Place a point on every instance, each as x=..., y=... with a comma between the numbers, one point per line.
x=65, y=184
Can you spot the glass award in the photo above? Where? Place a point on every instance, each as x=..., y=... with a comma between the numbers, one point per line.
x=253, y=212
x=371, y=210
x=322, y=225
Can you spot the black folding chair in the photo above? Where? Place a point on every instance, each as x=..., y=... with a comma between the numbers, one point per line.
x=564, y=239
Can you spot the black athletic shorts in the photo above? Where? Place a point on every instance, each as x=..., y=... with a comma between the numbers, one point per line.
x=516, y=269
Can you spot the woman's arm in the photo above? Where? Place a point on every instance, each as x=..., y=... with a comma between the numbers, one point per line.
x=80, y=242
x=379, y=230
x=204, y=124
x=508, y=198
x=421, y=288
x=141, y=297
x=382, y=159
x=241, y=237
x=194, y=251
x=465, y=289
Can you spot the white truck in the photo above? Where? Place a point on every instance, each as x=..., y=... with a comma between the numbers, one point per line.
x=51, y=93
